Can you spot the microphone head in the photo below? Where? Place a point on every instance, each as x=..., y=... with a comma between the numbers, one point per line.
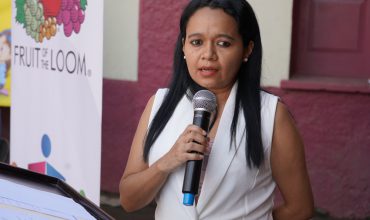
x=204, y=100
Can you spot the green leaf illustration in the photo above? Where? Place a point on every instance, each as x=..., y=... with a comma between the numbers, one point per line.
x=19, y=4
x=83, y=4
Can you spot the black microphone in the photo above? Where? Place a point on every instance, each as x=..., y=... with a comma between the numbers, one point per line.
x=204, y=103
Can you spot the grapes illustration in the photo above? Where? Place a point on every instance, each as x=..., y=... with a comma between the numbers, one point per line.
x=71, y=15
x=41, y=18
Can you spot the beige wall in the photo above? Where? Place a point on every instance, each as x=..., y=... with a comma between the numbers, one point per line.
x=121, y=20
x=121, y=39
x=275, y=19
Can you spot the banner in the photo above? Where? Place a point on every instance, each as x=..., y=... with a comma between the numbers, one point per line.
x=5, y=52
x=57, y=90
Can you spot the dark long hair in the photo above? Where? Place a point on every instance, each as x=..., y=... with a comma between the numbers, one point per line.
x=248, y=92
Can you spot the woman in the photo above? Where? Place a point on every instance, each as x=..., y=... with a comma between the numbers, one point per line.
x=252, y=144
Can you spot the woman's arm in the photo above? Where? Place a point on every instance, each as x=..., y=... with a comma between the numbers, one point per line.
x=140, y=183
x=289, y=169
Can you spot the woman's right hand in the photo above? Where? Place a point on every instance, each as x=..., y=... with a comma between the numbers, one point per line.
x=190, y=145
x=140, y=182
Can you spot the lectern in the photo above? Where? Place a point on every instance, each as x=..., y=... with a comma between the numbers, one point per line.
x=36, y=182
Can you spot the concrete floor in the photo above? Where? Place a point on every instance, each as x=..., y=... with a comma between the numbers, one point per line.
x=110, y=204
x=118, y=213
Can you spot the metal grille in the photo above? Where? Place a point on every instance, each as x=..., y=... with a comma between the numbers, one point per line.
x=204, y=100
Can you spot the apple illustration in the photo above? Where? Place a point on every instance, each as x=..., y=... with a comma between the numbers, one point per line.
x=51, y=7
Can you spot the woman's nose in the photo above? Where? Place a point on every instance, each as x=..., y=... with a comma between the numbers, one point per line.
x=209, y=52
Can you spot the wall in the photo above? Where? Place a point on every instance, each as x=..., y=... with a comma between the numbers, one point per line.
x=335, y=130
x=121, y=39
x=275, y=20
x=124, y=101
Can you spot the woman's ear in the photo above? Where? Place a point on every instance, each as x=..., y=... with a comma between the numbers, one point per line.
x=248, y=50
x=183, y=45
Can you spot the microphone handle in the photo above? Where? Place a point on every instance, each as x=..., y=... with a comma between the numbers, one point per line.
x=194, y=167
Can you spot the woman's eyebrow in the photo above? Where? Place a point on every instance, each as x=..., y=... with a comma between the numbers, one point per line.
x=194, y=35
x=219, y=35
x=226, y=36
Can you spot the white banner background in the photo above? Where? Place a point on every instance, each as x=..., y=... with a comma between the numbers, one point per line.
x=65, y=106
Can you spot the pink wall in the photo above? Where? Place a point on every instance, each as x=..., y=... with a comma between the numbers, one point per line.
x=123, y=102
x=335, y=126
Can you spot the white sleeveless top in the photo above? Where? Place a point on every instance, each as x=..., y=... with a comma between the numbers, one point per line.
x=230, y=189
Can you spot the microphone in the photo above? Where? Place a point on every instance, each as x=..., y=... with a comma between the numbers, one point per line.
x=204, y=104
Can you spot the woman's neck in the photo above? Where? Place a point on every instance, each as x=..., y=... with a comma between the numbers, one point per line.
x=221, y=96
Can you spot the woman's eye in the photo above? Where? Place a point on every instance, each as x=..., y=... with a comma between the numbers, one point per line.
x=196, y=42
x=223, y=44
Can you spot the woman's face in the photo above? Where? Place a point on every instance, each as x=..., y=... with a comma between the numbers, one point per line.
x=213, y=49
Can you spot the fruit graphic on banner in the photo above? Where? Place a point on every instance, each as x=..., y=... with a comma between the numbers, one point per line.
x=40, y=18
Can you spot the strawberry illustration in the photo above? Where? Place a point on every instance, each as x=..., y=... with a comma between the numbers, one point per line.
x=51, y=7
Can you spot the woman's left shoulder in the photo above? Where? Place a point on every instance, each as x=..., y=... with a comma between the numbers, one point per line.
x=269, y=103
x=265, y=95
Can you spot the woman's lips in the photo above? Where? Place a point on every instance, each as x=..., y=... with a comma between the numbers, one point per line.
x=207, y=71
